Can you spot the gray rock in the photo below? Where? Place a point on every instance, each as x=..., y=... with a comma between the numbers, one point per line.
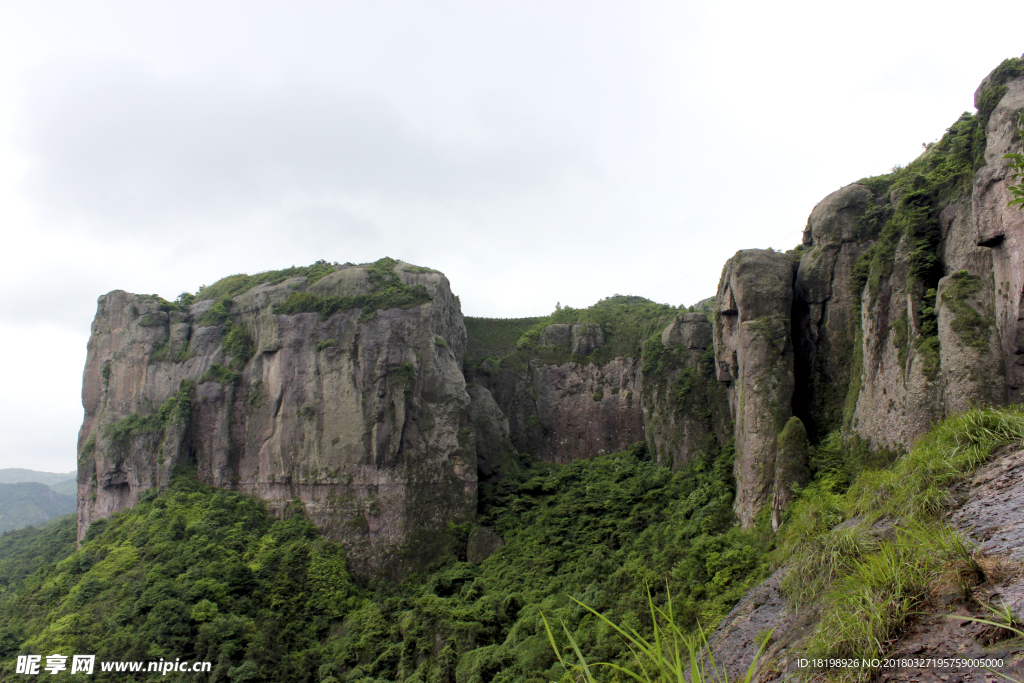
x=200, y=307
x=482, y=543
x=993, y=513
x=754, y=355
x=373, y=437
x=690, y=330
x=825, y=329
x=586, y=338
x=558, y=334
x=791, y=460
x=495, y=453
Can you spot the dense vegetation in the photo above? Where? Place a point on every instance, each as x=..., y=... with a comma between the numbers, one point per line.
x=24, y=551
x=207, y=574
x=386, y=291
x=626, y=322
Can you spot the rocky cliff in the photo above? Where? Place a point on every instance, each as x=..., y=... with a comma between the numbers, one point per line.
x=643, y=372
x=902, y=304
x=343, y=395
x=357, y=392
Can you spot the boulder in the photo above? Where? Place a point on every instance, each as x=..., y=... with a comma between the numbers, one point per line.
x=791, y=467
x=482, y=543
x=558, y=334
x=586, y=338
x=689, y=330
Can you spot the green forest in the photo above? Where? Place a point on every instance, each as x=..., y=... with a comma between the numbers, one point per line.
x=206, y=574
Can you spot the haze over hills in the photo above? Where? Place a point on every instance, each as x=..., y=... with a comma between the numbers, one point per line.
x=28, y=497
x=31, y=503
x=17, y=475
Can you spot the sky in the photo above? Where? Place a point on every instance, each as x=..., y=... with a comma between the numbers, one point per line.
x=535, y=152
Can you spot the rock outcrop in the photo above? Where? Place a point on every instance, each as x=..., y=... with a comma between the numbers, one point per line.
x=936, y=347
x=564, y=403
x=569, y=411
x=826, y=308
x=754, y=357
x=905, y=306
x=686, y=411
x=360, y=415
x=791, y=467
x=481, y=544
x=990, y=514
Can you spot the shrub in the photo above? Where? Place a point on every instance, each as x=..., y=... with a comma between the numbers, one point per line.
x=218, y=314
x=220, y=374
x=234, y=285
x=239, y=345
x=386, y=291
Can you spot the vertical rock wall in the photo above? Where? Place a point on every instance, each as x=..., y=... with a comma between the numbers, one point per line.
x=361, y=418
x=686, y=410
x=906, y=305
x=754, y=355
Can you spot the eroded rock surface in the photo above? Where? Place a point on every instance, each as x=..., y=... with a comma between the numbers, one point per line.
x=362, y=418
x=825, y=307
x=587, y=409
x=686, y=411
x=754, y=356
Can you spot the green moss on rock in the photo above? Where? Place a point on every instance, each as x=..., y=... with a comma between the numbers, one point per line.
x=972, y=327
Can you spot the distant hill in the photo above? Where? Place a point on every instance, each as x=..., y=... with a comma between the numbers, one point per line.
x=31, y=503
x=17, y=475
x=68, y=487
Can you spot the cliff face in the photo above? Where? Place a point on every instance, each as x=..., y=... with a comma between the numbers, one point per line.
x=360, y=415
x=754, y=354
x=348, y=393
x=685, y=409
x=906, y=305
x=567, y=396
x=570, y=410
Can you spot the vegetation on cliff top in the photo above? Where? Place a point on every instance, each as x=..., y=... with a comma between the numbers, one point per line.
x=626, y=322
x=386, y=291
x=233, y=285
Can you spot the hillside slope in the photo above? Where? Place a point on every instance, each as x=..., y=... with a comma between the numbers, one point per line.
x=31, y=503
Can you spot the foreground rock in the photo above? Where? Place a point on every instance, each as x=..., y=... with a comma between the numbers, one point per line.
x=990, y=514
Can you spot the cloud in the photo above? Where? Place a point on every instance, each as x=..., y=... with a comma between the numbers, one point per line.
x=118, y=151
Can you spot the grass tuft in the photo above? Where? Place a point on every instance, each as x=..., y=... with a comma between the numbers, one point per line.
x=667, y=655
x=866, y=579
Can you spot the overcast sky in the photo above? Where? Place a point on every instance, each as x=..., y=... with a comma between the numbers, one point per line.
x=536, y=152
